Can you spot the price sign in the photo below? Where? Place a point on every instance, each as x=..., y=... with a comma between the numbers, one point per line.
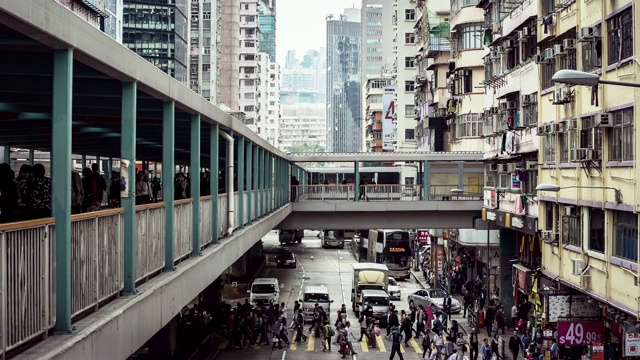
x=580, y=333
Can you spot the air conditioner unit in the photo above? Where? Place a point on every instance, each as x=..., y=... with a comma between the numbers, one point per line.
x=588, y=33
x=526, y=31
x=511, y=105
x=569, y=210
x=508, y=44
x=503, y=106
x=521, y=36
x=499, y=49
x=531, y=165
x=548, y=128
x=577, y=155
x=466, y=73
x=548, y=236
x=511, y=167
x=494, y=110
x=541, y=130
x=548, y=53
x=558, y=127
x=558, y=96
x=593, y=154
x=525, y=99
x=602, y=120
x=493, y=167
x=541, y=59
x=558, y=50
x=569, y=44
x=570, y=124
x=503, y=168
x=579, y=267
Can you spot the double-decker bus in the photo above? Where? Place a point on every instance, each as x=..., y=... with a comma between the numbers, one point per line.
x=391, y=247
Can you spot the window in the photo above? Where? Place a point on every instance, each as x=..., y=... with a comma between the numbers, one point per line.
x=379, y=84
x=206, y=67
x=250, y=57
x=409, y=85
x=409, y=134
x=206, y=15
x=591, y=137
x=272, y=103
x=622, y=139
x=374, y=58
x=409, y=38
x=549, y=155
x=530, y=110
x=249, y=96
x=408, y=110
x=567, y=142
x=548, y=70
x=249, y=44
x=528, y=186
x=374, y=50
x=375, y=99
x=571, y=227
x=471, y=37
x=409, y=62
x=620, y=36
x=374, y=41
x=625, y=235
x=469, y=125
x=409, y=14
x=592, y=53
x=249, y=108
x=463, y=82
x=596, y=230
x=249, y=82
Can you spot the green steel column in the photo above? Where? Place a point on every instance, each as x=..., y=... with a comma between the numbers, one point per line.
x=168, y=173
x=60, y=179
x=84, y=162
x=6, y=155
x=272, y=182
x=356, y=182
x=263, y=182
x=128, y=199
x=276, y=182
x=214, y=153
x=109, y=167
x=194, y=173
x=240, y=182
x=228, y=160
x=31, y=157
x=278, y=173
x=249, y=181
x=425, y=180
x=256, y=199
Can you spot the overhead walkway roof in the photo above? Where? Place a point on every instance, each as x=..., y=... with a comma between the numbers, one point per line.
x=472, y=156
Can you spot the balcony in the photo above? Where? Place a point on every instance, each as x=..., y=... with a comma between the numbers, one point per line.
x=437, y=45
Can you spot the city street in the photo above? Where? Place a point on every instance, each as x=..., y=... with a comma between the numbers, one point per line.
x=318, y=266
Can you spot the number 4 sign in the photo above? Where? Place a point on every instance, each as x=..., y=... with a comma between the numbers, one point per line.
x=580, y=333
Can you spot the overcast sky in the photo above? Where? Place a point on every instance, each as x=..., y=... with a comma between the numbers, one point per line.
x=300, y=24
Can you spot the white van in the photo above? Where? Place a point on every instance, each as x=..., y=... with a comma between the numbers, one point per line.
x=264, y=290
x=315, y=295
x=379, y=302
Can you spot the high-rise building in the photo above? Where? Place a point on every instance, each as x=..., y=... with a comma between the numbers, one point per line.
x=303, y=121
x=267, y=25
x=308, y=74
x=157, y=30
x=230, y=53
x=204, y=71
x=105, y=15
x=376, y=17
x=249, y=68
x=374, y=112
x=272, y=94
x=344, y=121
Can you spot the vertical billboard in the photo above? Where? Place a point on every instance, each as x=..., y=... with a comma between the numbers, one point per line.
x=389, y=112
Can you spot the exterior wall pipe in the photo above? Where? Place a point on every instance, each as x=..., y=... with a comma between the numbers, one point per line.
x=231, y=206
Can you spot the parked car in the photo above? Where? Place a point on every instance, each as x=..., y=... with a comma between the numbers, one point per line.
x=286, y=258
x=394, y=289
x=433, y=299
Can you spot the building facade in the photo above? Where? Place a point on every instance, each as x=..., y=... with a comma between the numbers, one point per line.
x=204, y=52
x=303, y=121
x=251, y=63
x=106, y=15
x=158, y=30
x=272, y=93
x=374, y=112
x=267, y=25
x=344, y=121
x=230, y=54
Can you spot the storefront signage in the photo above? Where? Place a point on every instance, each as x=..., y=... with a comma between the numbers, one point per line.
x=491, y=216
x=597, y=351
x=491, y=198
x=395, y=249
x=516, y=222
x=423, y=236
x=580, y=333
x=632, y=344
x=523, y=278
x=564, y=306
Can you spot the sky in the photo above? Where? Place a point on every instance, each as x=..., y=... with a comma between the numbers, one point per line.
x=300, y=24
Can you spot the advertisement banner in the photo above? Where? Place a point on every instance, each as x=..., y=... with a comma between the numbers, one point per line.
x=632, y=344
x=388, y=112
x=423, y=236
x=580, y=332
x=560, y=306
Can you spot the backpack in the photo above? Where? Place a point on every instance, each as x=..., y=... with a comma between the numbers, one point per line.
x=396, y=337
x=331, y=331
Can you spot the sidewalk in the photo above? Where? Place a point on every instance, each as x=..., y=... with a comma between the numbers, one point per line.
x=463, y=323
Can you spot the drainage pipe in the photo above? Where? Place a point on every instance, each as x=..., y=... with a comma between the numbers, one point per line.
x=230, y=201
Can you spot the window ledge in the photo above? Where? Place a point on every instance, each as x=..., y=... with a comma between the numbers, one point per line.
x=547, y=91
x=572, y=248
x=548, y=166
x=568, y=166
x=621, y=63
x=627, y=264
x=614, y=164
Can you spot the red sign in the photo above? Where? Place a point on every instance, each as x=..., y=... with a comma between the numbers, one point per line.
x=423, y=236
x=580, y=333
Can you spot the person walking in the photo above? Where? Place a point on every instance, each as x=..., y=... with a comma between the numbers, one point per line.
x=473, y=344
x=486, y=349
x=515, y=344
x=396, y=340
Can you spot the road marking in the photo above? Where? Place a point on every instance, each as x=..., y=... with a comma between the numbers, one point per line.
x=380, y=344
x=284, y=353
x=294, y=344
x=312, y=342
x=415, y=345
x=364, y=345
x=402, y=348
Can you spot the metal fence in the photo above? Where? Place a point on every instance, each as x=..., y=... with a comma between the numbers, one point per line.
x=149, y=239
x=27, y=287
x=96, y=258
x=183, y=230
x=385, y=193
x=206, y=233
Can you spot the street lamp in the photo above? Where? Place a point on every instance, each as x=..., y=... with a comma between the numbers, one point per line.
x=575, y=77
x=556, y=188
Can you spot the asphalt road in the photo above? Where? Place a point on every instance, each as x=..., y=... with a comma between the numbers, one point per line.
x=318, y=266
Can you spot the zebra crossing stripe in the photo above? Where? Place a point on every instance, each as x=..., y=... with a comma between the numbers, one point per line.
x=380, y=344
x=364, y=345
x=294, y=345
x=415, y=345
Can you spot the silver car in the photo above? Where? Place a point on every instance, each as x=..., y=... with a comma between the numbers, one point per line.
x=433, y=299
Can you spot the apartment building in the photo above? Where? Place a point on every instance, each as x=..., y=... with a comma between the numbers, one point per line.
x=589, y=227
x=251, y=64
x=204, y=52
x=303, y=121
x=374, y=112
x=105, y=15
x=230, y=53
x=267, y=24
x=270, y=116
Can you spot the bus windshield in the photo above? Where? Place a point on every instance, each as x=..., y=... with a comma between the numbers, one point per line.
x=397, y=250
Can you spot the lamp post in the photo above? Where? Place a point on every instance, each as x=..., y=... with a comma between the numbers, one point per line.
x=575, y=77
x=557, y=188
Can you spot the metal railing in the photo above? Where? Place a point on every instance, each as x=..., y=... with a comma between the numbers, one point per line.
x=443, y=192
x=182, y=230
x=384, y=193
x=206, y=233
x=149, y=239
x=27, y=281
x=223, y=218
x=96, y=258
x=324, y=192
